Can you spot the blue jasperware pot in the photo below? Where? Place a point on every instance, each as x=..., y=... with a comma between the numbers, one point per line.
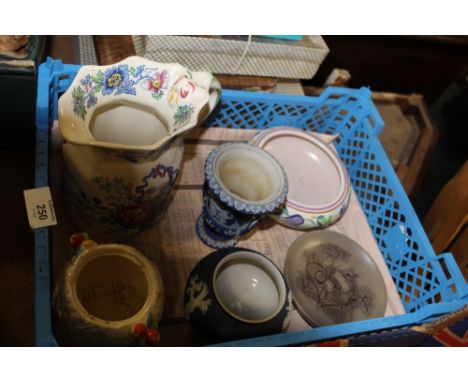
x=236, y=293
x=243, y=183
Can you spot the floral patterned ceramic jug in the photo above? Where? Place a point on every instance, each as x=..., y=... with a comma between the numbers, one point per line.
x=123, y=127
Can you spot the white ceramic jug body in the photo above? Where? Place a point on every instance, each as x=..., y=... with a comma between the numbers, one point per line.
x=114, y=198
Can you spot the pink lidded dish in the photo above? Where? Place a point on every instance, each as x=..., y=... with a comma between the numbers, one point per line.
x=319, y=189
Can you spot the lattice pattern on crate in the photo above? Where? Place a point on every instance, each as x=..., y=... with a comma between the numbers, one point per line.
x=251, y=113
x=353, y=146
x=419, y=279
x=419, y=282
x=259, y=115
x=350, y=120
x=368, y=182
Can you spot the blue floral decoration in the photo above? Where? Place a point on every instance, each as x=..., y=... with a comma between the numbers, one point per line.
x=139, y=70
x=117, y=79
x=122, y=79
x=92, y=100
x=86, y=81
x=182, y=115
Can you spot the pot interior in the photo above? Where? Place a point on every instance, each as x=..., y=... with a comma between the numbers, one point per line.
x=249, y=175
x=127, y=124
x=112, y=288
x=249, y=287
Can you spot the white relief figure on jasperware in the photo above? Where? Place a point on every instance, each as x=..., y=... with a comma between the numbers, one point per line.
x=220, y=215
x=198, y=296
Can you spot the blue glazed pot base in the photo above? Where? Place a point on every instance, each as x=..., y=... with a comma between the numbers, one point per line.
x=211, y=238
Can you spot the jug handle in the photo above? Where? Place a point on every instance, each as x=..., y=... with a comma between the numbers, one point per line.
x=214, y=94
x=209, y=82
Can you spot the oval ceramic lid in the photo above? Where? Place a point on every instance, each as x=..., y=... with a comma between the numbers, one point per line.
x=333, y=279
x=317, y=180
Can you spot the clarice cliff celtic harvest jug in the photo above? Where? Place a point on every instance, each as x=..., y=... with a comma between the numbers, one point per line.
x=123, y=125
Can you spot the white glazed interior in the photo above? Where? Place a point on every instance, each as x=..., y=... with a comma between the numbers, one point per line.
x=249, y=287
x=110, y=286
x=249, y=174
x=129, y=124
x=316, y=178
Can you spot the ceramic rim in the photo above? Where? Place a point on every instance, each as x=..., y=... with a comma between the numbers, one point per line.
x=104, y=250
x=241, y=205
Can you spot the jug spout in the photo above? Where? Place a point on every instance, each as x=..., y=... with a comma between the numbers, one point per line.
x=194, y=95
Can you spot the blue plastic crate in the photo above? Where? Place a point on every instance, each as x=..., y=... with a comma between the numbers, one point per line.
x=430, y=285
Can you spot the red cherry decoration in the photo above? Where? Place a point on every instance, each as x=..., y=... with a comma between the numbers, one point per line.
x=76, y=239
x=140, y=330
x=152, y=336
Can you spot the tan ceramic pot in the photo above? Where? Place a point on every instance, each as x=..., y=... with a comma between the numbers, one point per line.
x=108, y=295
